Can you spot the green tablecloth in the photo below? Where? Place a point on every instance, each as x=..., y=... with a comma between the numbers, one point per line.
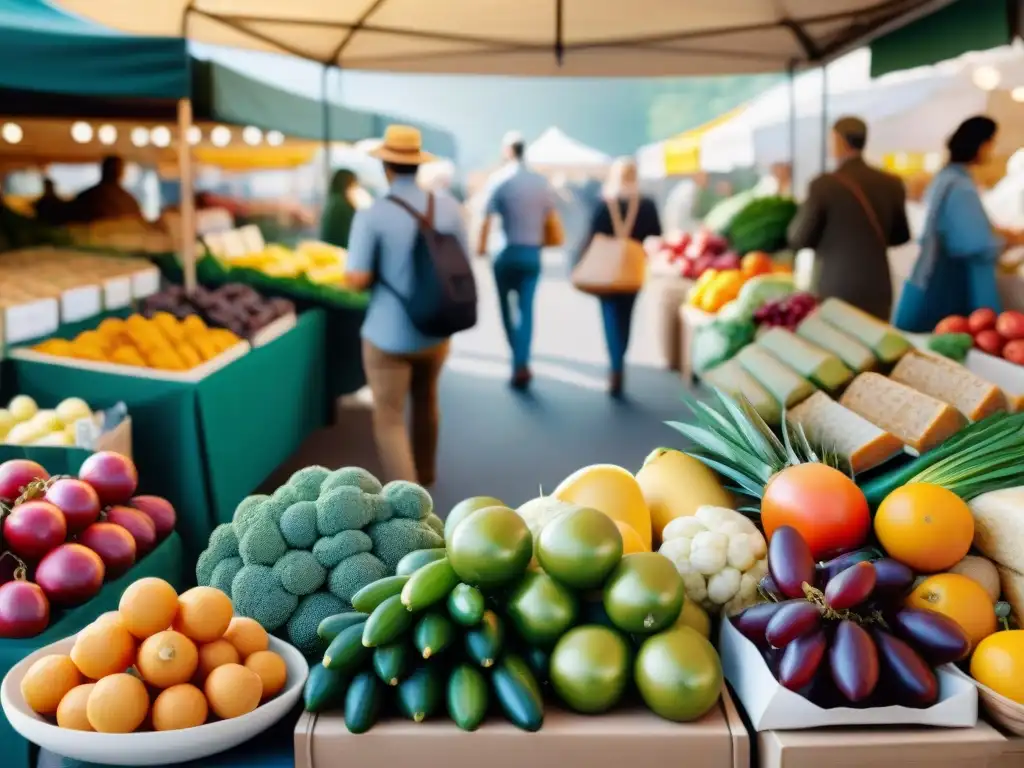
x=208, y=444
x=166, y=562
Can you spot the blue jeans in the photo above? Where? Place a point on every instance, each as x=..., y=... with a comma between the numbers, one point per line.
x=516, y=271
x=617, y=313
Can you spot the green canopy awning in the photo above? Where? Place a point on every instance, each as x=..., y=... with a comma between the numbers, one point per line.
x=963, y=26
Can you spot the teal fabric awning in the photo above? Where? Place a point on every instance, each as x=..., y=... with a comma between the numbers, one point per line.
x=963, y=26
x=43, y=49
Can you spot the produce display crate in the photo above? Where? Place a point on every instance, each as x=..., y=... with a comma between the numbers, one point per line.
x=671, y=292
x=690, y=320
x=165, y=562
x=67, y=461
x=205, y=445
x=631, y=737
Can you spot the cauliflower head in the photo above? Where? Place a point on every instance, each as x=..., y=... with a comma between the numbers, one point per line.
x=721, y=556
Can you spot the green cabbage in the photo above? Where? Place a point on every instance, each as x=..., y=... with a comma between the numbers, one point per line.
x=718, y=341
x=764, y=289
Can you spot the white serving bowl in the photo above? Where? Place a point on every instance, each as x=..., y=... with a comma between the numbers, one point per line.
x=148, y=748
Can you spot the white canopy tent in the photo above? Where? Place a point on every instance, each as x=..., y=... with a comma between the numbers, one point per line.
x=555, y=150
x=597, y=38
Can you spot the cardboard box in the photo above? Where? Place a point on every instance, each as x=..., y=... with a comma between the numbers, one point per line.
x=772, y=707
x=979, y=747
x=623, y=739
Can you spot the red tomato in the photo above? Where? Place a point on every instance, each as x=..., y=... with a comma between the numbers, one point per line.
x=981, y=320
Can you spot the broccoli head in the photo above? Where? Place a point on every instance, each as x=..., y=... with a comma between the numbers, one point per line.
x=435, y=523
x=354, y=573
x=351, y=477
x=256, y=592
x=307, y=617
x=331, y=550
x=345, y=509
x=225, y=573
x=262, y=543
x=222, y=545
x=408, y=500
x=306, y=482
x=245, y=512
x=298, y=525
x=300, y=573
x=394, y=539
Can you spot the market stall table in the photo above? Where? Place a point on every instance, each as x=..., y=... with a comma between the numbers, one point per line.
x=165, y=562
x=205, y=445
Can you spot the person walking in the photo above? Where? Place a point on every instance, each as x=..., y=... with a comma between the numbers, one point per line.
x=621, y=213
x=525, y=202
x=850, y=219
x=340, y=209
x=955, y=272
x=402, y=361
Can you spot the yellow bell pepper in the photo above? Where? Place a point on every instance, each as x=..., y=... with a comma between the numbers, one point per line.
x=696, y=294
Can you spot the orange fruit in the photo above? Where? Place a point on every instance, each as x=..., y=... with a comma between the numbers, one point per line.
x=107, y=618
x=204, y=614
x=272, y=671
x=247, y=635
x=180, y=706
x=167, y=658
x=71, y=710
x=213, y=655
x=117, y=704
x=148, y=606
x=103, y=649
x=48, y=681
x=631, y=541
x=926, y=527
x=998, y=662
x=959, y=598
x=233, y=691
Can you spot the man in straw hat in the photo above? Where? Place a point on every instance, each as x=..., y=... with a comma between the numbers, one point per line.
x=524, y=200
x=400, y=361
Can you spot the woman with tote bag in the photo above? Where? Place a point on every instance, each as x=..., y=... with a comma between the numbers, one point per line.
x=613, y=263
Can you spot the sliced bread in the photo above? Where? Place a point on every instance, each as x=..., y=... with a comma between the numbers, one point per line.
x=834, y=427
x=950, y=382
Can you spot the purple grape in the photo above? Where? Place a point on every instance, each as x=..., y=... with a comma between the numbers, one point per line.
x=893, y=578
x=793, y=619
x=790, y=562
x=830, y=568
x=769, y=588
x=936, y=637
x=753, y=621
x=801, y=659
x=854, y=661
x=909, y=676
x=850, y=587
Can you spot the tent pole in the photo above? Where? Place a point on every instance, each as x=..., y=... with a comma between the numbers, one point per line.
x=824, y=118
x=792, y=125
x=188, y=195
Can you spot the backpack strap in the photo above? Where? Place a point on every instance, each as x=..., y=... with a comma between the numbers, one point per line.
x=426, y=221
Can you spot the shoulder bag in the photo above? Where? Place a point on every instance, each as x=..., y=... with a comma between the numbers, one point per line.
x=872, y=217
x=615, y=264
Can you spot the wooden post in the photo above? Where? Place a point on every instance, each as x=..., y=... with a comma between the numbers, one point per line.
x=188, y=197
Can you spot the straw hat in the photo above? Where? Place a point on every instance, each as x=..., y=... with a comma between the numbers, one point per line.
x=402, y=145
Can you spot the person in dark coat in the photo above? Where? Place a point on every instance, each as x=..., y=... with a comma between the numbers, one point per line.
x=339, y=210
x=617, y=309
x=850, y=219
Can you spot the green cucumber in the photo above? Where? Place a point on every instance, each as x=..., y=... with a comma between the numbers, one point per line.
x=346, y=651
x=430, y=584
x=433, y=633
x=484, y=642
x=518, y=693
x=412, y=562
x=391, y=662
x=324, y=688
x=331, y=627
x=466, y=605
x=467, y=697
x=420, y=694
x=387, y=622
x=362, y=702
x=375, y=593
x=539, y=661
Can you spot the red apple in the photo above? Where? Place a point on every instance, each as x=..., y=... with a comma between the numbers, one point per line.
x=981, y=320
x=140, y=526
x=115, y=546
x=989, y=341
x=15, y=475
x=159, y=510
x=953, y=324
x=112, y=475
x=34, y=528
x=1010, y=325
x=24, y=609
x=70, y=575
x=77, y=500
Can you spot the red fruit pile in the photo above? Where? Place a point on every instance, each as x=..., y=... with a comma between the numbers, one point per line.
x=838, y=633
x=696, y=253
x=786, y=313
x=1000, y=335
x=62, y=536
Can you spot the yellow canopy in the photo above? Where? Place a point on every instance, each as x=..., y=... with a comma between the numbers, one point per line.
x=682, y=152
x=280, y=158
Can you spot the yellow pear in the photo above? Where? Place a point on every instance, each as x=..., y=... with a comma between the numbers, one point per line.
x=675, y=485
x=612, y=490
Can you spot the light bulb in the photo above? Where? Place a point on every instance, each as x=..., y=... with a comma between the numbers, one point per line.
x=220, y=136
x=275, y=138
x=160, y=136
x=12, y=133
x=987, y=78
x=195, y=135
x=81, y=132
x=252, y=135
x=107, y=134
x=140, y=136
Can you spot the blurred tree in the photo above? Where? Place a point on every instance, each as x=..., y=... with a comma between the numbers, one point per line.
x=678, y=105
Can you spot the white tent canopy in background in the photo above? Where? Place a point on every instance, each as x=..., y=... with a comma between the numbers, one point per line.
x=599, y=38
x=555, y=149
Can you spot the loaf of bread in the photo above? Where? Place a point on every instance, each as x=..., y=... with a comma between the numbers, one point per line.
x=950, y=382
x=834, y=427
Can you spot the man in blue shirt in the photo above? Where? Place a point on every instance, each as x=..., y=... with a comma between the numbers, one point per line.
x=524, y=200
x=399, y=360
